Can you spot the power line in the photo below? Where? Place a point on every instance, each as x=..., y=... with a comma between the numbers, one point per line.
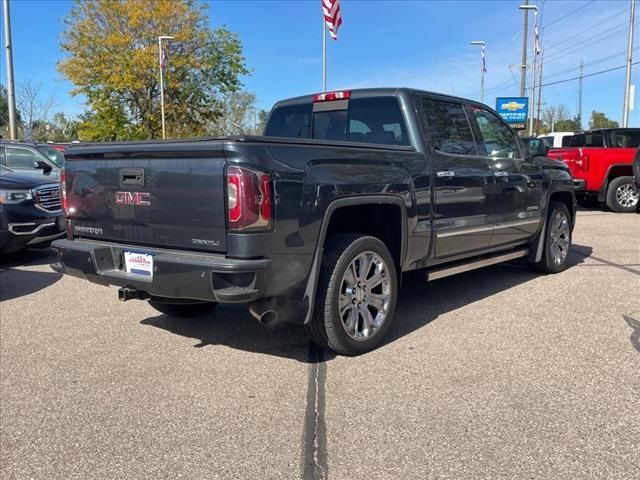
x=568, y=14
x=577, y=48
x=594, y=62
x=588, y=75
x=589, y=29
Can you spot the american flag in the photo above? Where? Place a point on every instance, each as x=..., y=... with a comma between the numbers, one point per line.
x=484, y=61
x=163, y=59
x=332, y=16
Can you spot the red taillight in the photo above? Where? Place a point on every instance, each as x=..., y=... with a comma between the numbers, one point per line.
x=63, y=192
x=330, y=96
x=582, y=161
x=248, y=199
x=585, y=162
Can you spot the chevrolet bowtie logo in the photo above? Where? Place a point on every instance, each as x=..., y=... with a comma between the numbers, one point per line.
x=513, y=106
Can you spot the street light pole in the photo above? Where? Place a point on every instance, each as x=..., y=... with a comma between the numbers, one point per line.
x=534, y=58
x=523, y=65
x=526, y=7
x=627, y=83
x=11, y=88
x=482, y=67
x=160, y=64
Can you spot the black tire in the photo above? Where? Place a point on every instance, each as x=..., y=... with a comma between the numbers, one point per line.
x=550, y=262
x=618, y=195
x=327, y=328
x=183, y=309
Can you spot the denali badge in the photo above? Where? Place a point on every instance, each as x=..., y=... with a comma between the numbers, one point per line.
x=87, y=230
x=141, y=199
x=205, y=243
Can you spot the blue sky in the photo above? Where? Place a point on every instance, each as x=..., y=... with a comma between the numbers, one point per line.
x=422, y=44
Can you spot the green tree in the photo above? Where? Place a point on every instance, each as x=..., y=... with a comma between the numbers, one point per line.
x=4, y=107
x=112, y=49
x=238, y=109
x=569, y=125
x=263, y=116
x=600, y=120
x=62, y=129
x=4, y=112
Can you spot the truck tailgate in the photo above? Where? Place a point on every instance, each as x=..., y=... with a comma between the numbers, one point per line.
x=148, y=194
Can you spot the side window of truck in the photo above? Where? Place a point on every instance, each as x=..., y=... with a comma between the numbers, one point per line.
x=447, y=127
x=496, y=139
x=292, y=121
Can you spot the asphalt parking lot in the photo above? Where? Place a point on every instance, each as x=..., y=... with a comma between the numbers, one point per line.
x=497, y=373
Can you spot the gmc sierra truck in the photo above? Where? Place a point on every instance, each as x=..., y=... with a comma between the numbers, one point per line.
x=601, y=164
x=315, y=222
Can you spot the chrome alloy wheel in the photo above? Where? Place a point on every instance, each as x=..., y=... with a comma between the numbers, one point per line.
x=627, y=195
x=365, y=296
x=560, y=240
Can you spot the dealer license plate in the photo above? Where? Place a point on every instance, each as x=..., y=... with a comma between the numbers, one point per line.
x=139, y=263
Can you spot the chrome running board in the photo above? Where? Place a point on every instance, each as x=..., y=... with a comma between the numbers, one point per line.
x=449, y=270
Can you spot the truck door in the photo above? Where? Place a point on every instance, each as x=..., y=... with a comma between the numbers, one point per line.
x=518, y=181
x=463, y=181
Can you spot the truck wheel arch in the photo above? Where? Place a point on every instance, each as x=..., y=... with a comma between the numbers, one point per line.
x=615, y=170
x=336, y=205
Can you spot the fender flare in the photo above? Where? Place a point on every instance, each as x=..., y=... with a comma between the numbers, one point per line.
x=314, y=273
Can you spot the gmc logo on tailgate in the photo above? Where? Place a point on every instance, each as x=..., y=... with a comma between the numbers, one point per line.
x=141, y=199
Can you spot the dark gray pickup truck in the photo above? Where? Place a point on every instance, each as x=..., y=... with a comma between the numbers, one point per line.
x=315, y=222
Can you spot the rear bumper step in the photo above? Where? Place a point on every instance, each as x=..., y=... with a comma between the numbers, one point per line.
x=461, y=267
x=176, y=274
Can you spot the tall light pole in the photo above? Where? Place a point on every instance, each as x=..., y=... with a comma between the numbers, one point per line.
x=627, y=82
x=523, y=65
x=11, y=89
x=526, y=7
x=483, y=68
x=161, y=64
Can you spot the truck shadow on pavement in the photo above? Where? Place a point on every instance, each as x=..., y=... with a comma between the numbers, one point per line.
x=635, y=331
x=419, y=304
x=15, y=282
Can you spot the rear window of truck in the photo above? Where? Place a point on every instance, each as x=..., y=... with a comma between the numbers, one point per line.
x=366, y=120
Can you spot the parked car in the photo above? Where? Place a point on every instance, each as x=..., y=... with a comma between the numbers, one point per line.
x=30, y=213
x=601, y=161
x=315, y=222
x=25, y=156
x=557, y=139
x=54, y=151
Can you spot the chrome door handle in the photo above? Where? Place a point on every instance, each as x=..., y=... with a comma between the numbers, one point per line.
x=446, y=174
x=500, y=173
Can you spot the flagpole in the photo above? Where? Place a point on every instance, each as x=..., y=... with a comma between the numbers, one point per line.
x=324, y=55
x=160, y=38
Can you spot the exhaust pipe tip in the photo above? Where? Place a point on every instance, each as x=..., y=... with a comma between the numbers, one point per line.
x=268, y=317
x=261, y=311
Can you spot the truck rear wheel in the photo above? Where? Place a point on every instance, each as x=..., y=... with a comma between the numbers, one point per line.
x=557, y=239
x=622, y=195
x=183, y=309
x=356, y=296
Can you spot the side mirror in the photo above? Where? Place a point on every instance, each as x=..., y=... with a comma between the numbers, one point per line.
x=536, y=147
x=42, y=165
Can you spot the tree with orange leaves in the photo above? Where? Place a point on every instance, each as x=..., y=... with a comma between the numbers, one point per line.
x=112, y=60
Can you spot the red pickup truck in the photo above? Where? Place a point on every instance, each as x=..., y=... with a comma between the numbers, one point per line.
x=601, y=164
